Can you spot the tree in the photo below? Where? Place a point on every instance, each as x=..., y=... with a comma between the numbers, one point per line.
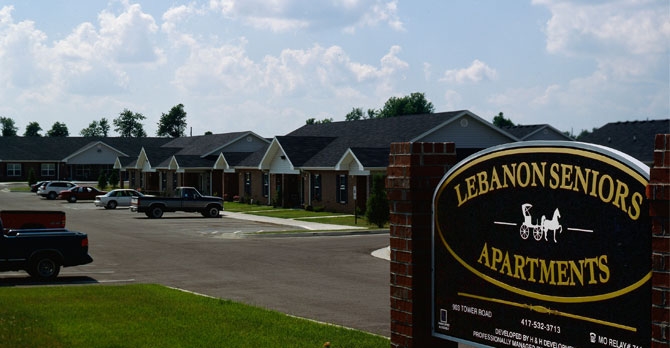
x=114, y=178
x=377, y=206
x=173, y=124
x=128, y=124
x=315, y=121
x=102, y=180
x=500, y=121
x=8, y=127
x=58, y=130
x=33, y=129
x=413, y=104
x=103, y=125
x=583, y=133
x=356, y=114
x=96, y=129
x=32, y=178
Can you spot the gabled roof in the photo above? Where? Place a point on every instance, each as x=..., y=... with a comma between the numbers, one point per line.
x=371, y=134
x=536, y=132
x=300, y=149
x=202, y=144
x=59, y=149
x=193, y=161
x=635, y=138
x=371, y=157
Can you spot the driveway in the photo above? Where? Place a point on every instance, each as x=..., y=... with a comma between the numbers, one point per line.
x=332, y=279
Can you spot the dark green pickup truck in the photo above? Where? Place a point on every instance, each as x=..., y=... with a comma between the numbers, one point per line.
x=42, y=252
x=182, y=199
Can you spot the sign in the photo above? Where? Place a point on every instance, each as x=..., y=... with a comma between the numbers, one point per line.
x=543, y=244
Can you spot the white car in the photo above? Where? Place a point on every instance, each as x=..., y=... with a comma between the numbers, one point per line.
x=116, y=198
x=51, y=189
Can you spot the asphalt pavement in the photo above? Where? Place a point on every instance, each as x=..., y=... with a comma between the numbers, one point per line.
x=320, y=229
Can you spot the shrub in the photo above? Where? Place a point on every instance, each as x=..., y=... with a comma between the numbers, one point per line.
x=31, y=177
x=102, y=181
x=377, y=206
x=114, y=178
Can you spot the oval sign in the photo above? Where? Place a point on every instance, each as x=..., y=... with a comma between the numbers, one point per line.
x=545, y=225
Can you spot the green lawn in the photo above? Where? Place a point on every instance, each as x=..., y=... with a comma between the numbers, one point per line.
x=154, y=316
x=300, y=214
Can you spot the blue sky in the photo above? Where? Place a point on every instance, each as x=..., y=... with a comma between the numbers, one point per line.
x=268, y=65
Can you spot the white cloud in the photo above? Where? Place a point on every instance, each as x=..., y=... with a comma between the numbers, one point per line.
x=476, y=72
x=129, y=36
x=25, y=62
x=291, y=15
x=636, y=27
x=276, y=24
x=229, y=70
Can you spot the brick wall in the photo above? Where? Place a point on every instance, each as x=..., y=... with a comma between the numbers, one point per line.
x=415, y=170
x=658, y=194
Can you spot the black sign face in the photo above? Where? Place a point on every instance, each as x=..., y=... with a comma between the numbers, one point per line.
x=543, y=244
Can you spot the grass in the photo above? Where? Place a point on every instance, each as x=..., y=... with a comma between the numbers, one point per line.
x=154, y=316
x=301, y=214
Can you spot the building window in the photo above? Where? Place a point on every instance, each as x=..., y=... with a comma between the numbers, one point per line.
x=83, y=172
x=266, y=184
x=247, y=183
x=48, y=169
x=342, y=189
x=316, y=187
x=13, y=169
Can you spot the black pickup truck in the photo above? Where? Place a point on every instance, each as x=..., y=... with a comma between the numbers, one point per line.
x=182, y=199
x=42, y=252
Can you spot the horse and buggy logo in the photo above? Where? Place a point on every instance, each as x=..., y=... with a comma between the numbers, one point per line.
x=540, y=230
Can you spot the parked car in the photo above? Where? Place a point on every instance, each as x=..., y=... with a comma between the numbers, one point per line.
x=35, y=186
x=80, y=192
x=116, y=198
x=183, y=199
x=51, y=189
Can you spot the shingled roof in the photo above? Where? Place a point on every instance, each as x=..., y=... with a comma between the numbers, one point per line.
x=363, y=135
x=56, y=149
x=635, y=138
x=536, y=132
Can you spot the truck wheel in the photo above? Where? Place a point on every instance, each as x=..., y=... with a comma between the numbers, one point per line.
x=156, y=212
x=44, y=267
x=211, y=212
x=72, y=199
x=52, y=195
x=111, y=205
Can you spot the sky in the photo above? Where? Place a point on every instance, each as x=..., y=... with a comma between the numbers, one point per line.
x=267, y=66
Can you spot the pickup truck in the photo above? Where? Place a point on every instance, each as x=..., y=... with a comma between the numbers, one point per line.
x=42, y=252
x=183, y=199
x=24, y=219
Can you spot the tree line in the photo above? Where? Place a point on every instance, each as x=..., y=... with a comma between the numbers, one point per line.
x=127, y=124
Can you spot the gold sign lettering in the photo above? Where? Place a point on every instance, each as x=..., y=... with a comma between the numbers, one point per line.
x=559, y=176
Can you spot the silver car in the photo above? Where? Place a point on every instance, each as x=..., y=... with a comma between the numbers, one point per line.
x=51, y=189
x=116, y=198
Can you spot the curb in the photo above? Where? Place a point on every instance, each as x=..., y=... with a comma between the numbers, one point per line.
x=308, y=234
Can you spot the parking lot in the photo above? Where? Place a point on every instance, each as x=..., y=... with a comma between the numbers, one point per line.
x=332, y=279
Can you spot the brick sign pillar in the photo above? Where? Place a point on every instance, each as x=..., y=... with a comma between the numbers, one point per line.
x=658, y=194
x=414, y=172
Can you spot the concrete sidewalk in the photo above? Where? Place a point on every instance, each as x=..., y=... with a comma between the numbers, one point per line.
x=318, y=228
x=300, y=224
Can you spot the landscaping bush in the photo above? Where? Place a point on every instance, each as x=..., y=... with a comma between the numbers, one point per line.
x=377, y=206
